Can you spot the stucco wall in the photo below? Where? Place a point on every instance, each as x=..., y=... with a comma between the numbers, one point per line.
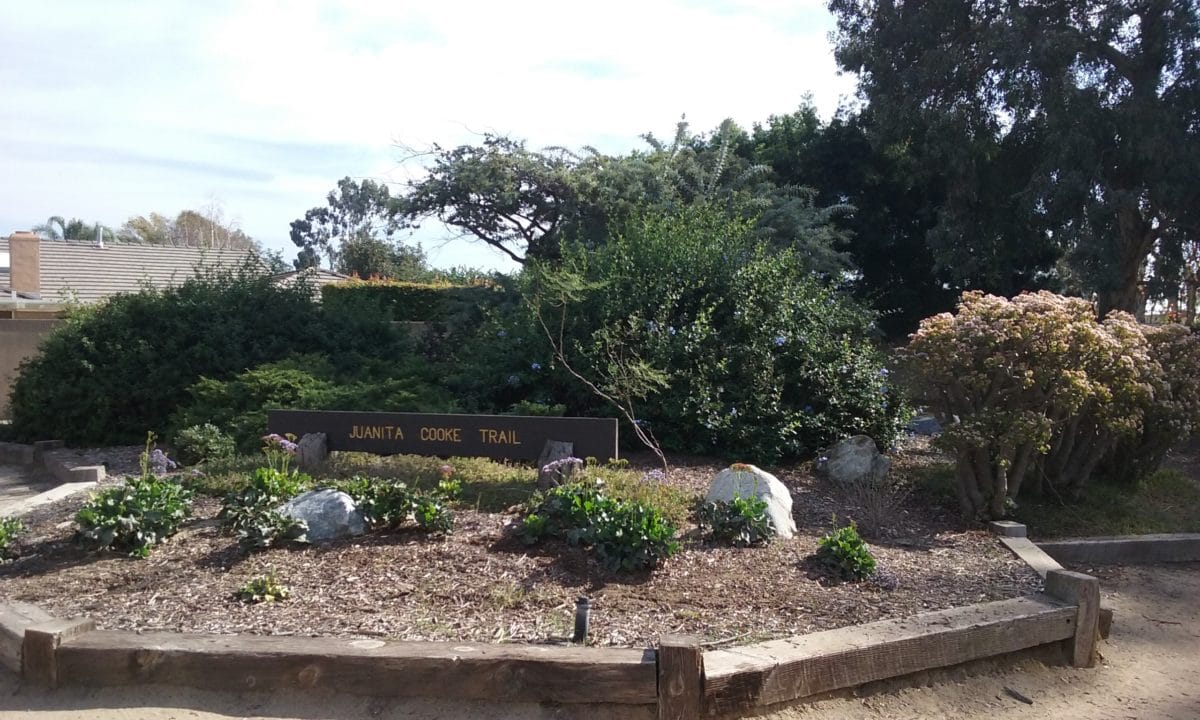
x=19, y=339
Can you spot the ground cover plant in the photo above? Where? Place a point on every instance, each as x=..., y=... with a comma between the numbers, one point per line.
x=9, y=529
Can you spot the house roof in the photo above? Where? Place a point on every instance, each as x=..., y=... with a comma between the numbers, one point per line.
x=87, y=273
x=316, y=277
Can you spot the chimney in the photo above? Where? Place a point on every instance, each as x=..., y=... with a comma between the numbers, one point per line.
x=25, y=262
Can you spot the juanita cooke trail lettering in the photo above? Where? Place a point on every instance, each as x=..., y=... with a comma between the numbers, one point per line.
x=433, y=434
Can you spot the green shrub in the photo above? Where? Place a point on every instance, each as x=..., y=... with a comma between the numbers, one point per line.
x=199, y=443
x=399, y=300
x=264, y=588
x=1041, y=391
x=113, y=369
x=134, y=516
x=741, y=522
x=308, y=382
x=390, y=504
x=845, y=555
x=730, y=346
x=9, y=529
x=625, y=535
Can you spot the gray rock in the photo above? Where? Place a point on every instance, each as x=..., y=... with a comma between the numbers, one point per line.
x=924, y=424
x=749, y=481
x=312, y=451
x=330, y=514
x=853, y=461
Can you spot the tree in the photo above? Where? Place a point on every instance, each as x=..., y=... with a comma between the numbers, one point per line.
x=1073, y=124
x=368, y=256
x=354, y=210
x=57, y=228
x=511, y=198
x=526, y=203
x=205, y=228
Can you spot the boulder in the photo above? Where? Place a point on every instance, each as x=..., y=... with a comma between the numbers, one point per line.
x=853, y=461
x=748, y=481
x=330, y=514
x=312, y=451
x=924, y=424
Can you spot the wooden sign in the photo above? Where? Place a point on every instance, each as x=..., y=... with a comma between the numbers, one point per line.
x=512, y=437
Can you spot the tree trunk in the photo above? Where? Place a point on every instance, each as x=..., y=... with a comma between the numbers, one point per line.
x=1137, y=240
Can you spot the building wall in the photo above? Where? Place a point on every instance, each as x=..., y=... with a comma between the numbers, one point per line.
x=19, y=339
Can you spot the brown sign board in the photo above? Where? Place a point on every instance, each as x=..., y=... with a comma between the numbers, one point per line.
x=512, y=437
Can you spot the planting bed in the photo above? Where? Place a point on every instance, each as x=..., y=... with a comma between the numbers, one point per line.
x=482, y=584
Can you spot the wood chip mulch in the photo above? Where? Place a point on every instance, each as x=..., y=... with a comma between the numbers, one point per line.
x=480, y=584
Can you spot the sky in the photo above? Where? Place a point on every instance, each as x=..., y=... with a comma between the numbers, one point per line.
x=120, y=108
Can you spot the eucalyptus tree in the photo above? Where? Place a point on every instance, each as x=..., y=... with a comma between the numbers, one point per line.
x=1068, y=126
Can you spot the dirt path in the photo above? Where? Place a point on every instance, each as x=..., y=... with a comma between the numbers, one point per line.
x=1149, y=672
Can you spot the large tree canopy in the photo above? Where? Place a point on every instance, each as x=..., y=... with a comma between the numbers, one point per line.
x=1069, y=125
x=526, y=203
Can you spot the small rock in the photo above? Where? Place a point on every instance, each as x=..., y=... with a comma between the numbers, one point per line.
x=853, y=461
x=749, y=481
x=312, y=451
x=330, y=514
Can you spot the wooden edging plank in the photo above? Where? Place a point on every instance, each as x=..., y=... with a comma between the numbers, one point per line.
x=1032, y=555
x=1126, y=549
x=782, y=670
x=14, y=618
x=503, y=673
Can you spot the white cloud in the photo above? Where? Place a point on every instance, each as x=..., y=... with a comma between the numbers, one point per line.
x=126, y=108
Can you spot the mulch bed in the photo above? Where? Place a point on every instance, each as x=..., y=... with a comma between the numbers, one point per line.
x=480, y=584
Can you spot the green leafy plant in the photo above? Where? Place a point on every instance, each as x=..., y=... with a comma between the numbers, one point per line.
x=431, y=514
x=845, y=555
x=251, y=514
x=263, y=588
x=390, y=504
x=625, y=535
x=9, y=529
x=741, y=522
x=198, y=443
x=134, y=516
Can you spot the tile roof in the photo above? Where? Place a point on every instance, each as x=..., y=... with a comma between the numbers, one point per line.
x=83, y=271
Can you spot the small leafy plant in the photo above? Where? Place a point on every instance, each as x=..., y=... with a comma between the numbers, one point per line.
x=845, y=555
x=135, y=516
x=9, y=529
x=264, y=588
x=625, y=535
x=741, y=522
x=251, y=512
x=198, y=443
x=390, y=504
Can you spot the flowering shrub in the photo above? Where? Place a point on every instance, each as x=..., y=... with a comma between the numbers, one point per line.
x=1174, y=413
x=279, y=450
x=1039, y=389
